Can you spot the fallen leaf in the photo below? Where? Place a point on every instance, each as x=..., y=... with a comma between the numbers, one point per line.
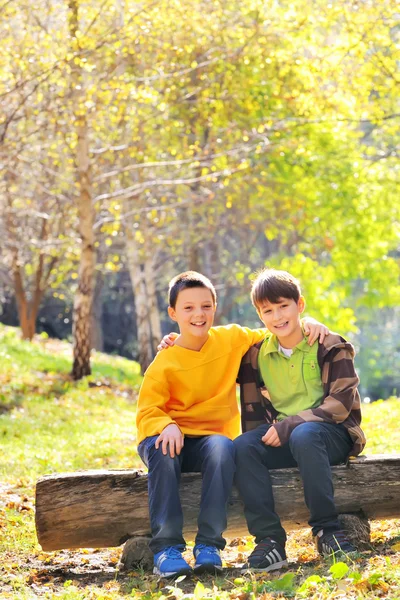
x=396, y=547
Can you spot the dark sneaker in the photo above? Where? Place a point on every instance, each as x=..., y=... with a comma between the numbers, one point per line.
x=268, y=555
x=170, y=563
x=331, y=542
x=207, y=558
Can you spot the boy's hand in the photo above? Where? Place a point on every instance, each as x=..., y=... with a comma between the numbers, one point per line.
x=171, y=436
x=271, y=438
x=314, y=330
x=168, y=340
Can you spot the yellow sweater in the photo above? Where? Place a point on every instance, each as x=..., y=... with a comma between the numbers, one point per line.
x=196, y=390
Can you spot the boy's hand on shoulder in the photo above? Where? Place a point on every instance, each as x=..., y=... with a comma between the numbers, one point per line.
x=167, y=341
x=271, y=438
x=171, y=436
x=314, y=330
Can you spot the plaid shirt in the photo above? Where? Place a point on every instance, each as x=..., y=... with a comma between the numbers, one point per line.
x=340, y=404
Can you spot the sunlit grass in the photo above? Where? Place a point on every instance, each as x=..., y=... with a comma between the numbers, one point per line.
x=50, y=423
x=381, y=425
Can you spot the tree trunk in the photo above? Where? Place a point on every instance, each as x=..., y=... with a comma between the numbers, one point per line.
x=210, y=257
x=83, y=300
x=27, y=319
x=154, y=313
x=105, y=508
x=28, y=309
x=25, y=322
x=141, y=300
x=97, y=311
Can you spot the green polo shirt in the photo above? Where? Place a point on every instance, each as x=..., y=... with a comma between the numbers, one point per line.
x=294, y=383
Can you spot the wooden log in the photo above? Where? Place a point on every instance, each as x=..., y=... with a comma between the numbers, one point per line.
x=96, y=509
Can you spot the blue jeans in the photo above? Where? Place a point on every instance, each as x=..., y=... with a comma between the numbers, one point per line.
x=214, y=457
x=313, y=447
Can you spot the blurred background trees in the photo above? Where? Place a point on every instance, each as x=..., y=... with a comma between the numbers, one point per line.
x=139, y=140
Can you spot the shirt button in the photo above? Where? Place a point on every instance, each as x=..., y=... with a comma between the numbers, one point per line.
x=292, y=366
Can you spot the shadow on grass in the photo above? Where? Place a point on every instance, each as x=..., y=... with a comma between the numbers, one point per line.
x=8, y=407
x=59, y=575
x=30, y=358
x=14, y=393
x=128, y=582
x=100, y=572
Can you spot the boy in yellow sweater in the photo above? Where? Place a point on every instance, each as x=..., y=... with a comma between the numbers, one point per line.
x=186, y=419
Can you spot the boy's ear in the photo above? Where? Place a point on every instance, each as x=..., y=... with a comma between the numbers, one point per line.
x=301, y=304
x=171, y=313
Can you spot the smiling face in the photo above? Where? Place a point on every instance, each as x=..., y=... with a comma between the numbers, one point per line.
x=194, y=312
x=283, y=319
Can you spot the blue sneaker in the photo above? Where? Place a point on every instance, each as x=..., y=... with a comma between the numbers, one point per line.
x=207, y=558
x=170, y=563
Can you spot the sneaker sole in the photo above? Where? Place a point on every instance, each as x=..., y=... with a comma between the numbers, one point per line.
x=339, y=553
x=172, y=574
x=207, y=568
x=273, y=567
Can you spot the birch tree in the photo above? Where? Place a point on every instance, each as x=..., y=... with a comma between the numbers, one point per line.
x=84, y=295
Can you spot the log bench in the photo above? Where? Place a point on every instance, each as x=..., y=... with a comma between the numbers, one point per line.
x=97, y=509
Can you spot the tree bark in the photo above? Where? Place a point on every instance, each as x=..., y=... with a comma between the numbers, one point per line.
x=153, y=311
x=27, y=319
x=28, y=309
x=83, y=300
x=137, y=276
x=97, y=310
x=106, y=508
x=84, y=296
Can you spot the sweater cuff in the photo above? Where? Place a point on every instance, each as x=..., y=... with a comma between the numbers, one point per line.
x=284, y=428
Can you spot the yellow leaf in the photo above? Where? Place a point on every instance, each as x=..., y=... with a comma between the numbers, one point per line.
x=396, y=547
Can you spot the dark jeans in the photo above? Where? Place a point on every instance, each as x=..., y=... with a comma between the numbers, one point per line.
x=214, y=457
x=313, y=447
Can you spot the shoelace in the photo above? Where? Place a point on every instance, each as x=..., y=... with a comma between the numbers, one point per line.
x=172, y=552
x=263, y=548
x=206, y=549
x=337, y=540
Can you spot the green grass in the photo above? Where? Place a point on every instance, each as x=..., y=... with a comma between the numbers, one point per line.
x=381, y=425
x=48, y=423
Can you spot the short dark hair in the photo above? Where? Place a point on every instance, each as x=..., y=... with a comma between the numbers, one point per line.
x=271, y=285
x=189, y=279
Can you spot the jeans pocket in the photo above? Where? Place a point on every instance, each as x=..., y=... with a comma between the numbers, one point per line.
x=141, y=449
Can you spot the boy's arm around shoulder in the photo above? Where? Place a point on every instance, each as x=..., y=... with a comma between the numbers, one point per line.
x=340, y=381
x=313, y=329
x=246, y=337
x=239, y=334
